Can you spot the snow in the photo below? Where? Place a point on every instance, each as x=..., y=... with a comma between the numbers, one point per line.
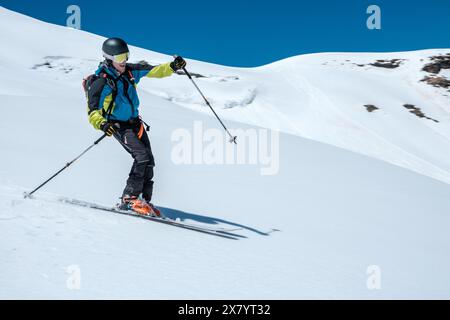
x=354, y=189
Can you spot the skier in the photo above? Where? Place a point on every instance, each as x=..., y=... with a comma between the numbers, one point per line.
x=113, y=107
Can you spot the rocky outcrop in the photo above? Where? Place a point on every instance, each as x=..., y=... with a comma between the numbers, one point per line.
x=370, y=107
x=437, y=63
x=415, y=110
x=389, y=64
x=436, y=81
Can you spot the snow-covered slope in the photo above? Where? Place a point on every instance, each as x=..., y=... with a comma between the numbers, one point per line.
x=311, y=230
x=323, y=97
x=316, y=96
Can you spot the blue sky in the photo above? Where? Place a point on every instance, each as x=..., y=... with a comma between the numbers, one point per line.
x=251, y=33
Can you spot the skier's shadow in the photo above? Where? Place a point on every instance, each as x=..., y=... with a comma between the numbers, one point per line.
x=174, y=213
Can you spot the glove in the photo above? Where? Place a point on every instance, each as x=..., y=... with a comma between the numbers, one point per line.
x=178, y=63
x=108, y=128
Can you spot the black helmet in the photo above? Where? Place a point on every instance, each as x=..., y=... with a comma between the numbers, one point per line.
x=115, y=49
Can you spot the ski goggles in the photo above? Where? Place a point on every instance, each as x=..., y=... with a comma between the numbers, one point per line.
x=119, y=58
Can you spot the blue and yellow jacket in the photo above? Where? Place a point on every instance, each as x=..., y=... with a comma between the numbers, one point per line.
x=120, y=90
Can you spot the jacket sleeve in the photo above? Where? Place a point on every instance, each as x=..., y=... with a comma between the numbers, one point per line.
x=99, y=97
x=143, y=69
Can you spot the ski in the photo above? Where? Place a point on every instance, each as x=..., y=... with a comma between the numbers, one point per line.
x=221, y=232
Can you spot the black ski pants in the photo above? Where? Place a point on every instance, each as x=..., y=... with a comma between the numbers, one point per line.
x=140, y=178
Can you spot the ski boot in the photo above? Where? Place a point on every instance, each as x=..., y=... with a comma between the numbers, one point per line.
x=154, y=211
x=139, y=206
x=133, y=203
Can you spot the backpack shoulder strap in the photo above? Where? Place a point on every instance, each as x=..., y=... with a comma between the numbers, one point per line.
x=112, y=83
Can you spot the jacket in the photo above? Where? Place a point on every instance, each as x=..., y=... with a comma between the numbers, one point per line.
x=119, y=91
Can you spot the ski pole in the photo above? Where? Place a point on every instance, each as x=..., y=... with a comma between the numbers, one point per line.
x=27, y=195
x=232, y=138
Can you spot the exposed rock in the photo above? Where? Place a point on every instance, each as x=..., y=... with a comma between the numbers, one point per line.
x=438, y=62
x=40, y=65
x=415, y=110
x=61, y=64
x=437, y=81
x=370, y=107
x=390, y=64
x=432, y=68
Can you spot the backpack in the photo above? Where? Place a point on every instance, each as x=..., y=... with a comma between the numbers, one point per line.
x=90, y=79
